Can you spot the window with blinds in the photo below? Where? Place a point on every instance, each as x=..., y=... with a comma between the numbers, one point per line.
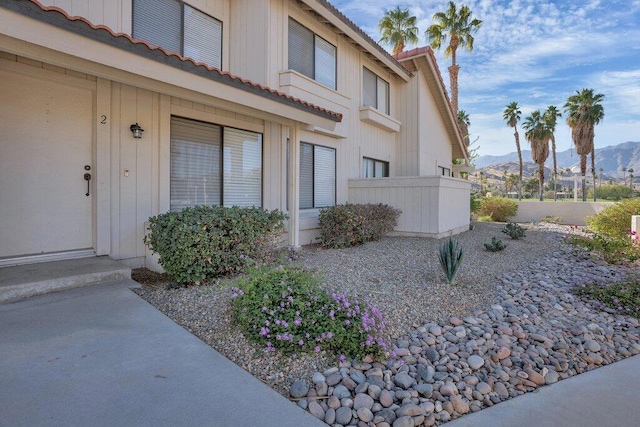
x=372, y=168
x=375, y=91
x=317, y=176
x=311, y=55
x=213, y=165
x=242, y=162
x=178, y=27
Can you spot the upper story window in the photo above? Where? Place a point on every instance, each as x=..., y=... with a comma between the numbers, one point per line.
x=372, y=168
x=375, y=91
x=177, y=27
x=311, y=55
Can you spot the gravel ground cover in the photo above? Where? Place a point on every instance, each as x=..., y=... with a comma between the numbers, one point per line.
x=510, y=325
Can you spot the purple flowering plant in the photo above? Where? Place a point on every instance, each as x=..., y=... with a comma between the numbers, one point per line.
x=284, y=309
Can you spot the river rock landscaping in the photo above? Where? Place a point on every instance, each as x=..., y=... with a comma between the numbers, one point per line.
x=510, y=326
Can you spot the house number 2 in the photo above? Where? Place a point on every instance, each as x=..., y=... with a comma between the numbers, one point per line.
x=103, y=119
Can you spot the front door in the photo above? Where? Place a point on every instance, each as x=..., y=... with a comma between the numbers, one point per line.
x=45, y=152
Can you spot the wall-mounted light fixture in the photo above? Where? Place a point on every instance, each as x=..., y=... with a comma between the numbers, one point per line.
x=136, y=130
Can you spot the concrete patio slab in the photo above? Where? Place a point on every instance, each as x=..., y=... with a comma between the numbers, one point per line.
x=102, y=356
x=607, y=396
x=27, y=280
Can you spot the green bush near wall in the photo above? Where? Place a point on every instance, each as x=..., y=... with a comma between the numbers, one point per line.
x=347, y=225
x=201, y=243
x=615, y=221
x=500, y=209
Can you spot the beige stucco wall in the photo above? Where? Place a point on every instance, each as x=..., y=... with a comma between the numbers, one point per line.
x=423, y=142
x=570, y=213
x=431, y=206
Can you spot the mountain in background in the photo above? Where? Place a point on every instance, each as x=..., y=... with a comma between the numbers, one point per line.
x=611, y=159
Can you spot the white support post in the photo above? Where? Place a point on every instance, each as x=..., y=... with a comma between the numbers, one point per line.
x=635, y=226
x=294, y=186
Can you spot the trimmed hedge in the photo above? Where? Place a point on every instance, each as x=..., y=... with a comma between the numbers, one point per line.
x=201, y=243
x=347, y=225
x=500, y=209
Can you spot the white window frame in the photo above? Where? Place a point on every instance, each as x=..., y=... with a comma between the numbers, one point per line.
x=318, y=42
x=382, y=87
x=374, y=162
x=314, y=174
x=184, y=47
x=225, y=169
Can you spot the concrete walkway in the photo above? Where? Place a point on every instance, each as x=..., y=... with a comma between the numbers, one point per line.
x=102, y=356
x=607, y=396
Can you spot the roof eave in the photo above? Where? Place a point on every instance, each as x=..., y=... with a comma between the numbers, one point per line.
x=342, y=23
x=425, y=62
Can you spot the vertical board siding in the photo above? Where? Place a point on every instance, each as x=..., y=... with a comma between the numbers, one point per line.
x=431, y=206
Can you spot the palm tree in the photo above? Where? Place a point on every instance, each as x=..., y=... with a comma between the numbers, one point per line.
x=584, y=111
x=630, y=170
x=551, y=120
x=464, y=123
x=511, y=115
x=538, y=136
x=601, y=176
x=456, y=25
x=624, y=173
x=397, y=29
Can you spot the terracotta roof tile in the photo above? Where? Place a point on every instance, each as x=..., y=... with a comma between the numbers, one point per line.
x=136, y=44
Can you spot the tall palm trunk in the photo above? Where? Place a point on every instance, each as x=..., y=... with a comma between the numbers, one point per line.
x=541, y=180
x=555, y=167
x=453, y=74
x=583, y=168
x=515, y=127
x=593, y=171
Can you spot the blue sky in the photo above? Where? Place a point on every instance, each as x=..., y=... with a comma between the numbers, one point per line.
x=537, y=53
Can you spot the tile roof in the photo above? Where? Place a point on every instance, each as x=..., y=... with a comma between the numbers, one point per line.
x=80, y=25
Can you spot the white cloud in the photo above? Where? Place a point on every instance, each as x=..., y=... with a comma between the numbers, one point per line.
x=537, y=52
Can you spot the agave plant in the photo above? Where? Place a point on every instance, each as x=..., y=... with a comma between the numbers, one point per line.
x=450, y=256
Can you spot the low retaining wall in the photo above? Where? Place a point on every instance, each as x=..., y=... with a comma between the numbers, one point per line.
x=570, y=213
x=432, y=206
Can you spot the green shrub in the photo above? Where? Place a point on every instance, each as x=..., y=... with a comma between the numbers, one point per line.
x=615, y=221
x=283, y=309
x=499, y=208
x=474, y=204
x=496, y=245
x=201, y=243
x=623, y=297
x=485, y=218
x=551, y=219
x=611, y=192
x=612, y=250
x=514, y=231
x=450, y=256
x=347, y=225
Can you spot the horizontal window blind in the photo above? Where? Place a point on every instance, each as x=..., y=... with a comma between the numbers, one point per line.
x=202, y=37
x=301, y=49
x=324, y=176
x=383, y=96
x=195, y=164
x=369, y=88
x=159, y=22
x=306, y=176
x=325, y=65
x=242, y=168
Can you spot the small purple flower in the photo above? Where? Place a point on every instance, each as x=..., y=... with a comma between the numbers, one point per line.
x=285, y=324
x=317, y=349
x=329, y=335
x=342, y=358
x=279, y=337
x=297, y=322
x=290, y=299
x=264, y=309
x=298, y=313
x=301, y=342
x=282, y=304
x=347, y=322
x=332, y=315
x=267, y=323
x=277, y=321
x=263, y=331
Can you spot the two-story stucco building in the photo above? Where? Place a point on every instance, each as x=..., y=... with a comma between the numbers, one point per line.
x=113, y=111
